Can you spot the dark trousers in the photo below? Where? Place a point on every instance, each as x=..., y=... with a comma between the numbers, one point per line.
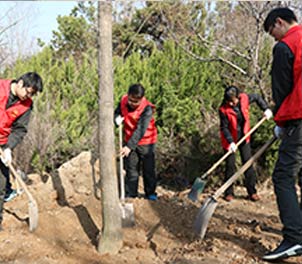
x=250, y=175
x=4, y=184
x=287, y=168
x=143, y=156
x=300, y=185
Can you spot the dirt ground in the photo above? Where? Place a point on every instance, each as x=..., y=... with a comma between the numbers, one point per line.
x=239, y=232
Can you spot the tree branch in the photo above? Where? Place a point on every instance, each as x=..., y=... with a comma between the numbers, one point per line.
x=224, y=47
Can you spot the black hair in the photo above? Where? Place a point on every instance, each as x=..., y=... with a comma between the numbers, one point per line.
x=230, y=92
x=136, y=90
x=281, y=12
x=32, y=79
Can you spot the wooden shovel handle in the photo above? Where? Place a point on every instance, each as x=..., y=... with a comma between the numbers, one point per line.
x=122, y=181
x=19, y=179
x=229, y=152
x=246, y=165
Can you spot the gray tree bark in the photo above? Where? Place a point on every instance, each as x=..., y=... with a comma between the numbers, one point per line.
x=111, y=238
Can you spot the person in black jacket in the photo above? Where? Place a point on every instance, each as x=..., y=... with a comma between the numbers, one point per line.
x=281, y=23
x=234, y=124
x=15, y=109
x=140, y=137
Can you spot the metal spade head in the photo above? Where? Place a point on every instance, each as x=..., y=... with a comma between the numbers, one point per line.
x=33, y=215
x=203, y=217
x=196, y=189
x=128, y=219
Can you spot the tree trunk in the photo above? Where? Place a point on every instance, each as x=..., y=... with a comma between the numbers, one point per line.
x=111, y=237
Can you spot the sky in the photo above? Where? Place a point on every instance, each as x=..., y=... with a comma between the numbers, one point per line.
x=47, y=12
x=36, y=19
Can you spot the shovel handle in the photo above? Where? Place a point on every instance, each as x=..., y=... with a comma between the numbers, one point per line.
x=246, y=165
x=19, y=179
x=122, y=181
x=229, y=152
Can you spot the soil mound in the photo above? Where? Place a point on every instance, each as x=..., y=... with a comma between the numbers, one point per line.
x=70, y=221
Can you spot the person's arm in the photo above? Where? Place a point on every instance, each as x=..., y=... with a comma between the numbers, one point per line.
x=224, y=126
x=117, y=111
x=259, y=100
x=118, y=118
x=18, y=130
x=282, y=73
x=141, y=128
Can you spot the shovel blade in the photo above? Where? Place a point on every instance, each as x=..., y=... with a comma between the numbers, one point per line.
x=33, y=215
x=128, y=219
x=196, y=189
x=203, y=217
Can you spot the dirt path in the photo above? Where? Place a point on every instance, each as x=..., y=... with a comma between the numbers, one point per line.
x=239, y=232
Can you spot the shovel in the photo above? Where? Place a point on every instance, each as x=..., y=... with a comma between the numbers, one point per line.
x=32, y=204
x=127, y=209
x=200, y=182
x=206, y=211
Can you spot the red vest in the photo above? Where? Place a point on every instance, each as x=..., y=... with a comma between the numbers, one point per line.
x=291, y=107
x=232, y=117
x=131, y=119
x=8, y=116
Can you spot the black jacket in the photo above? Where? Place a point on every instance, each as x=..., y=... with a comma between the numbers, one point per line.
x=20, y=125
x=142, y=125
x=282, y=77
x=224, y=122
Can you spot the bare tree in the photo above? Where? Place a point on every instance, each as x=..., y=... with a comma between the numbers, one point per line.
x=16, y=24
x=233, y=36
x=111, y=237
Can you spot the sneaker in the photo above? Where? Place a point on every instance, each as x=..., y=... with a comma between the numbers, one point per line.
x=254, y=197
x=229, y=197
x=10, y=196
x=284, y=250
x=152, y=197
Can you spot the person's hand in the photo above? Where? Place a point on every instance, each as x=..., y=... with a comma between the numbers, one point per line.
x=119, y=120
x=278, y=131
x=268, y=113
x=6, y=158
x=125, y=151
x=232, y=147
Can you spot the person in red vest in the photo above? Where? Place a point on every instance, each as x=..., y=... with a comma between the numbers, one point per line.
x=234, y=124
x=281, y=23
x=140, y=137
x=15, y=109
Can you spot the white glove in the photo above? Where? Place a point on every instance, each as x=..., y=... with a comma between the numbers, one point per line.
x=278, y=131
x=268, y=113
x=6, y=158
x=232, y=147
x=119, y=120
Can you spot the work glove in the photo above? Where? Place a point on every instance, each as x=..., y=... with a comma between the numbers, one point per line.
x=6, y=158
x=268, y=113
x=119, y=120
x=232, y=147
x=278, y=131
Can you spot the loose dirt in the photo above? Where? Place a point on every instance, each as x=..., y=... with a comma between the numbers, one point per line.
x=239, y=232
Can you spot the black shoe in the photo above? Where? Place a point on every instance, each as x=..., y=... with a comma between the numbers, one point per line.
x=284, y=250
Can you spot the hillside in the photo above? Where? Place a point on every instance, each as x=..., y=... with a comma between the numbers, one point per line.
x=70, y=219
